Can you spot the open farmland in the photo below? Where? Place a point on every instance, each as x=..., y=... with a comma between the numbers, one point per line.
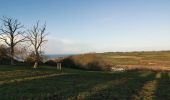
x=151, y=60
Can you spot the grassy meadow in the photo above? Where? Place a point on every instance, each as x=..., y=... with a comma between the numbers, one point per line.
x=48, y=83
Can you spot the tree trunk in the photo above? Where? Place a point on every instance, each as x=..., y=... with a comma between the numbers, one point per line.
x=37, y=59
x=12, y=55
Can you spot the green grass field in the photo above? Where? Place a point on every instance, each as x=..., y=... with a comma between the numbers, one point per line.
x=47, y=83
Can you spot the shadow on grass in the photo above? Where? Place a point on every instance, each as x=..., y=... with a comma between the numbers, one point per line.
x=78, y=86
x=56, y=87
x=124, y=90
x=95, y=86
x=163, y=87
x=40, y=76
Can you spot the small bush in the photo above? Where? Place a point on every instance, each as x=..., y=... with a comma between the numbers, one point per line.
x=69, y=62
x=95, y=65
x=87, y=62
x=50, y=63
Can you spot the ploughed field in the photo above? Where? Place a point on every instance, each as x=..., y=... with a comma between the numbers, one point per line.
x=48, y=83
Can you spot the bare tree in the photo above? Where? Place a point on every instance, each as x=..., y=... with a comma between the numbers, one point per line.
x=11, y=34
x=36, y=36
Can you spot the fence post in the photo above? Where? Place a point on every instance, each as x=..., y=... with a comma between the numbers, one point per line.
x=59, y=66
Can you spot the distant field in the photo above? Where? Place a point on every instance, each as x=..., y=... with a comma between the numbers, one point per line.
x=47, y=83
x=157, y=60
x=157, y=57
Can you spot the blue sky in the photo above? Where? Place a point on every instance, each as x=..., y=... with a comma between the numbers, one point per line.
x=80, y=26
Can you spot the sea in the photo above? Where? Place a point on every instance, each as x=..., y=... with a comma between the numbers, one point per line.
x=55, y=56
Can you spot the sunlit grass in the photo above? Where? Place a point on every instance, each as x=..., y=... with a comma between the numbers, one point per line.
x=147, y=91
x=158, y=75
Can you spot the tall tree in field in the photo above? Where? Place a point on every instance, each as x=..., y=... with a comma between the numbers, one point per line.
x=36, y=36
x=11, y=34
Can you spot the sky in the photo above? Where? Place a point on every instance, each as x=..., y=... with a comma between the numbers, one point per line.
x=83, y=26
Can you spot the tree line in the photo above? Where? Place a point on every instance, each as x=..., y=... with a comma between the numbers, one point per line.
x=13, y=33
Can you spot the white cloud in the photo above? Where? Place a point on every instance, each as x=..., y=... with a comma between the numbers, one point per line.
x=57, y=45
